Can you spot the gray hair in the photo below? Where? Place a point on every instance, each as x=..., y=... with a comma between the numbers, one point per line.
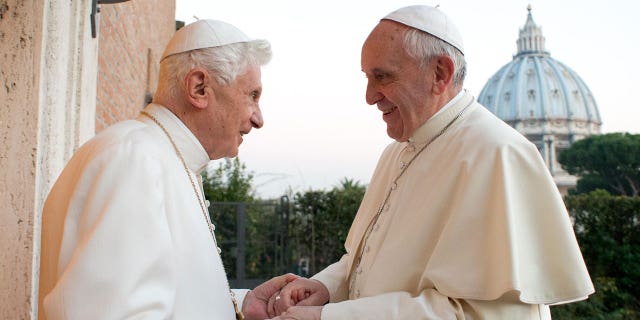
x=224, y=63
x=423, y=46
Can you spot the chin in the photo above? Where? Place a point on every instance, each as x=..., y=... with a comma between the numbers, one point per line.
x=394, y=135
x=232, y=154
x=220, y=155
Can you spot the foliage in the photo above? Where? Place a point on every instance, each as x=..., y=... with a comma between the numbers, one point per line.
x=608, y=230
x=321, y=221
x=230, y=182
x=279, y=234
x=610, y=162
x=229, y=188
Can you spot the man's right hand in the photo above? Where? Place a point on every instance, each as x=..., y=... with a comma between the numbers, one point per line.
x=300, y=292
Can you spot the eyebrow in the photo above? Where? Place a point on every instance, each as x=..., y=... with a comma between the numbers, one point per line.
x=377, y=70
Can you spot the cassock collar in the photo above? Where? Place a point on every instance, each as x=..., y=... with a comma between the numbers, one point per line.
x=190, y=147
x=438, y=121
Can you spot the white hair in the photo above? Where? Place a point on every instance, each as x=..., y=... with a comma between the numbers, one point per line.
x=423, y=46
x=224, y=63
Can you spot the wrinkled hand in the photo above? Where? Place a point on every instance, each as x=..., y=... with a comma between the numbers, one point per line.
x=254, y=306
x=301, y=292
x=301, y=313
x=296, y=297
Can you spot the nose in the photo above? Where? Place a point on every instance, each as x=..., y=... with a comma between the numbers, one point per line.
x=372, y=95
x=256, y=118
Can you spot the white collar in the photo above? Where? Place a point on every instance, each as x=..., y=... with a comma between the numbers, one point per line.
x=440, y=119
x=451, y=102
x=190, y=147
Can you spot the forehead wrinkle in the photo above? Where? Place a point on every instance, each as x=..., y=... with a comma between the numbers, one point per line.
x=387, y=59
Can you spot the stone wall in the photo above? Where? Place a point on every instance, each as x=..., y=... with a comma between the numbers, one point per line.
x=19, y=76
x=49, y=73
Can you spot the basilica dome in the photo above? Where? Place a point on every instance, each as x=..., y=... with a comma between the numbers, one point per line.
x=543, y=99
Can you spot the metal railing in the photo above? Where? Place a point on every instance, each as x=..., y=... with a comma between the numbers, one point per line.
x=253, y=238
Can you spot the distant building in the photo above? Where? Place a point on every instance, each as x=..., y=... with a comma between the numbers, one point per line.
x=543, y=99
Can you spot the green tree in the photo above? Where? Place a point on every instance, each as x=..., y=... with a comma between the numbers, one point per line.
x=605, y=208
x=608, y=230
x=308, y=206
x=228, y=187
x=316, y=229
x=230, y=182
x=321, y=222
x=610, y=162
x=344, y=203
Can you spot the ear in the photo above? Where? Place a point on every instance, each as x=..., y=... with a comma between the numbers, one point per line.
x=443, y=74
x=197, y=88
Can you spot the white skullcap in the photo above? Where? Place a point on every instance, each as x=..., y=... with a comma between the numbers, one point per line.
x=430, y=20
x=203, y=34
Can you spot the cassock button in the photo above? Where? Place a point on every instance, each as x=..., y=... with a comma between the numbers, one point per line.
x=213, y=226
x=207, y=203
x=359, y=271
x=402, y=164
x=411, y=148
x=386, y=207
x=376, y=227
x=219, y=250
x=394, y=185
x=367, y=249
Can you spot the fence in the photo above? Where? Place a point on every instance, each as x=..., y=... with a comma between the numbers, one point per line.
x=253, y=238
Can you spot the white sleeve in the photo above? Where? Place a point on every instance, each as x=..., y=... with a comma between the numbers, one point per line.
x=334, y=278
x=432, y=305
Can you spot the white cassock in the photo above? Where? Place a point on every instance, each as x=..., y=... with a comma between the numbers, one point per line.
x=474, y=229
x=124, y=236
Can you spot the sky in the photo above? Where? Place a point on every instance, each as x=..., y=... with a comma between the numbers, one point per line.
x=318, y=128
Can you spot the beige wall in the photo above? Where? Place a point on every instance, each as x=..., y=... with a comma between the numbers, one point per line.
x=48, y=85
x=47, y=93
x=20, y=38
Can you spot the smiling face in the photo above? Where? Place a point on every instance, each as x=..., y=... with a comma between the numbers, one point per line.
x=395, y=81
x=233, y=112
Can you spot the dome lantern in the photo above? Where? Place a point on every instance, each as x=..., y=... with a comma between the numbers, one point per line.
x=531, y=40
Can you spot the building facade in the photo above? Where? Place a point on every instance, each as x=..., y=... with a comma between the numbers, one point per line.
x=132, y=37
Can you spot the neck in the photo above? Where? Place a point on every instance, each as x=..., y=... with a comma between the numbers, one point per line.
x=441, y=100
x=190, y=117
x=447, y=96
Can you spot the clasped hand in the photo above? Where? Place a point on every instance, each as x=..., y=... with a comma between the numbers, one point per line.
x=301, y=299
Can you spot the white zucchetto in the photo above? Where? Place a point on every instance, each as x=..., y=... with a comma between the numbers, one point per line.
x=203, y=34
x=430, y=20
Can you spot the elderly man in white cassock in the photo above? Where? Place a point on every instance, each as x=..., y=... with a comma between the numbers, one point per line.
x=461, y=219
x=126, y=232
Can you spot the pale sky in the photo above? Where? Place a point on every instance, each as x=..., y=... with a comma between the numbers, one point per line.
x=318, y=128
